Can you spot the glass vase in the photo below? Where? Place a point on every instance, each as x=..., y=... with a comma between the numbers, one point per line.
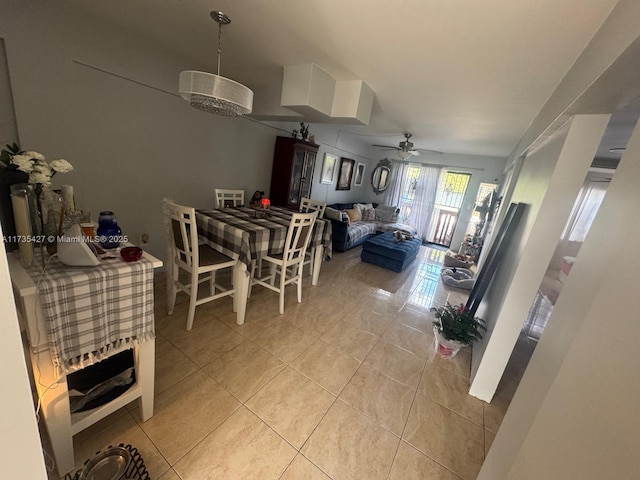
x=108, y=230
x=52, y=211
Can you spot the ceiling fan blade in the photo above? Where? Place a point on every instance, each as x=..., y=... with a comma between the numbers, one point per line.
x=430, y=151
x=415, y=153
x=386, y=146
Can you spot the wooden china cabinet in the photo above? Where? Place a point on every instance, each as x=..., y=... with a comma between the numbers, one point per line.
x=292, y=174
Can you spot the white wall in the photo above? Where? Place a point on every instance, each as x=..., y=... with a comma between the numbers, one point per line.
x=575, y=414
x=20, y=451
x=548, y=184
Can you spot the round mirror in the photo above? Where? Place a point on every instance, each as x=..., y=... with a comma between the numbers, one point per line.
x=380, y=176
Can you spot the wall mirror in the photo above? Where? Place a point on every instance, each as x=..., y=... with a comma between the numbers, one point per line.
x=381, y=176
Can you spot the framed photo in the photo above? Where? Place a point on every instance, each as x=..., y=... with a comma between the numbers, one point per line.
x=345, y=174
x=328, y=168
x=357, y=179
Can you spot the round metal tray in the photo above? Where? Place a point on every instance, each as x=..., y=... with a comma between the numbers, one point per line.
x=108, y=465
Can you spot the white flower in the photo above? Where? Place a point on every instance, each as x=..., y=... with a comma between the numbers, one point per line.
x=34, y=155
x=23, y=162
x=41, y=166
x=61, y=166
x=37, y=177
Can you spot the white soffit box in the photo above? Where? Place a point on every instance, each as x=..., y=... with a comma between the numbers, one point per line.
x=353, y=99
x=311, y=91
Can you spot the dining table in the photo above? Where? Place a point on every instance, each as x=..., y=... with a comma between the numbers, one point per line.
x=248, y=234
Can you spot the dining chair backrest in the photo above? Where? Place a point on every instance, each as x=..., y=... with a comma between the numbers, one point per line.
x=298, y=236
x=183, y=233
x=308, y=205
x=229, y=198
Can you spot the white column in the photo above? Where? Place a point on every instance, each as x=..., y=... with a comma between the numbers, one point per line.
x=548, y=184
x=575, y=414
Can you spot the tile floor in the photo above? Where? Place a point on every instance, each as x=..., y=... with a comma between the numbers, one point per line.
x=342, y=386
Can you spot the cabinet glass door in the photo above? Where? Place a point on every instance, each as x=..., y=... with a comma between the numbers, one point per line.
x=297, y=171
x=308, y=175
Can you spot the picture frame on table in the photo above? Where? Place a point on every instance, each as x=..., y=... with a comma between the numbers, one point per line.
x=345, y=173
x=328, y=168
x=359, y=175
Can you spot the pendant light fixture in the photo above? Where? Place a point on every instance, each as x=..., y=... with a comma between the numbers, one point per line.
x=213, y=93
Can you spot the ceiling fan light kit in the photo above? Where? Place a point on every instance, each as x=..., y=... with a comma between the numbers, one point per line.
x=405, y=148
x=213, y=93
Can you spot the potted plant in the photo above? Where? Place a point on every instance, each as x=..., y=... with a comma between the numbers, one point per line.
x=454, y=327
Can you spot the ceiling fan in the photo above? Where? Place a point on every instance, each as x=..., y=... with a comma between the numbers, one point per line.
x=406, y=149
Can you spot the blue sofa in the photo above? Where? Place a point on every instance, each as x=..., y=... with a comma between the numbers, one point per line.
x=346, y=235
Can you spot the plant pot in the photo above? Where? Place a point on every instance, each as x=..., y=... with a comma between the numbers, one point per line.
x=446, y=348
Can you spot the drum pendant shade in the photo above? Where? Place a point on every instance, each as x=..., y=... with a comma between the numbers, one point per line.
x=213, y=93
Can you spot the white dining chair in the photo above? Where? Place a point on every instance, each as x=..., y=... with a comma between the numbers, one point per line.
x=229, y=198
x=308, y=205
x=288, y=265
x=196, y=260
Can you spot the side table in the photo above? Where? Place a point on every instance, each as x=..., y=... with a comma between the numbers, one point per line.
x=61, y=424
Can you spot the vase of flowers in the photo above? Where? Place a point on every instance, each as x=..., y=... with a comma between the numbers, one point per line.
x=454, y=327
x=29, y=167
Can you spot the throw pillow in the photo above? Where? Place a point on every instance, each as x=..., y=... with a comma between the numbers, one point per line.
x=354, y=214
x=368, y=214
x=333, y=214
x=385, y=213
x=362, y=206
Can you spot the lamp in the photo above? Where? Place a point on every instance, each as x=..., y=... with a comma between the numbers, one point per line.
x=213, y=93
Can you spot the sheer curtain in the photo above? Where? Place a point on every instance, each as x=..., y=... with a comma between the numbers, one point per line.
x=584, y=210
x=424, y=200
x=393, y=194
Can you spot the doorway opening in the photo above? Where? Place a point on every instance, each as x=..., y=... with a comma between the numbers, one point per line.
x=452, y=187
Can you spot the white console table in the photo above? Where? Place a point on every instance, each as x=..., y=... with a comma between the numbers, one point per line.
x=61, y=423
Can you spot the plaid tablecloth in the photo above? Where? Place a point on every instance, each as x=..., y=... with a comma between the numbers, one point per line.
x=91, y=313
x=242, y=233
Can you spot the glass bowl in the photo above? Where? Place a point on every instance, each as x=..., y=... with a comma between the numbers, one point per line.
x=131, y=254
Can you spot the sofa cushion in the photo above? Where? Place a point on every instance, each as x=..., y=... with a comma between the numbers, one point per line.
x=358, y=230
x=341, y=206
x=354, y=215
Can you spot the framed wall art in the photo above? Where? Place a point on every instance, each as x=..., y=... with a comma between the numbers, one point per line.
x=345, y=174
x=328, y=168
x=359, y=175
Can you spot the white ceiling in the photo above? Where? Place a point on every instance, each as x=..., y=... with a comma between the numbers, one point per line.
x=462, y=76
